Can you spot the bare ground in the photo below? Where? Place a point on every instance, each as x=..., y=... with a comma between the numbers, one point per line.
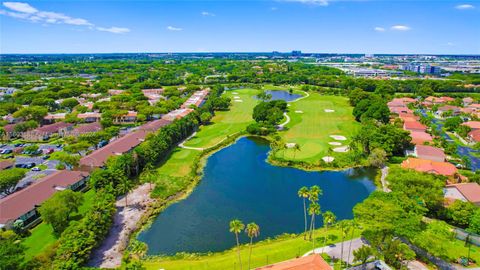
x=109, y=254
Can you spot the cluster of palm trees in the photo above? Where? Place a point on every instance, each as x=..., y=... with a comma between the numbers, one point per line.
x=311, y=194
x=252, y=230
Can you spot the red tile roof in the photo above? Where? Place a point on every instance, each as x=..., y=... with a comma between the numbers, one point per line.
x=475, y=135
x=155, y=125
x=53, y=128
x=472, y=124
x=311, y=262
x=25, y=200
x=87, y=128
x=5, y=164
x=420, y=137
x=427, y=152
x=471, y=191
x=429, y=166
x=414, y=126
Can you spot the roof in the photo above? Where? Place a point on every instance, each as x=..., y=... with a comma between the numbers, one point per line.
x=475, y=135
x=25, y=200
x=448, y=108
x=419, y=137
x=310, y=262
x=429, y=166
x=425, y=150
x=53, y=128
x=9, y=128
x=472, y=124
x=414, y=125
x=87, y=128
x=155, y=125
x=471, y=191
x=89, y=114
x=122, y=145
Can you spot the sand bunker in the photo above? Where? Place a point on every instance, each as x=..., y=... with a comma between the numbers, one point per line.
x=329, y=111
x=238, y=100
x=338, y=137
x=290, y=145
x=342, y=149
x=236, y=97
x=335, y=143
x=235, y=93
x=298, y=111
x=328, y=159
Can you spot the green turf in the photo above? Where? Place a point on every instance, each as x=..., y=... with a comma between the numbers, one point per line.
x=263, y=253
x=312, y=128
x=226, y=123
x=42, y=235
x=179, y=164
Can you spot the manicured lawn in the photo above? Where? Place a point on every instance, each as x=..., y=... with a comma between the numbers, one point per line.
x=226, y=123
x=310, y=126
x=42, y=235
x=179, y=163
x=265, y=252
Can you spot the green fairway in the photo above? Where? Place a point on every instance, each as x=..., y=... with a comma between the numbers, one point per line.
x=179, y=163
x=42, y=235
x=310, y=127
x=226, y=123
x=265, y=252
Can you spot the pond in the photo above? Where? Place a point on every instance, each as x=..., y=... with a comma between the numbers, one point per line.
x=239, y=183
x=282, y=95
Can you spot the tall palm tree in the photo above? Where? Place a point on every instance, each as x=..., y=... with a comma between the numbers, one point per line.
x=303, y=192
x=328, y=218
x=236, y=227
x=344, y=227
x=252, y=230
x=313, y=210
x=295, y=149
x=353, y=227
x=149, y=174
x=313, y=194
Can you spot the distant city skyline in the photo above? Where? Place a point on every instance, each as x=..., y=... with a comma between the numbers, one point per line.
x=317, y=26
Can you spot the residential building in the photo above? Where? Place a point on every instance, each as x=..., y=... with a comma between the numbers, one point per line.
x=414, y=126
x=22, y=205
x=85, y=129
x=447, y=108
x=53, y=117
x=429, y=153
x=429, y=166
x=115, y=92
x=196, y=99
x=177, y=114
x=467, y=192
x=90, y=117
x=310, y=262
x=44, y=132
x=473, y=125
x=420, y=137
x=467, y=101
x=474, y=136
x=129, y=117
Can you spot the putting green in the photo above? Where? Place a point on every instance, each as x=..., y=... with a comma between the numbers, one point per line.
x=226, y=123
x=312, y=128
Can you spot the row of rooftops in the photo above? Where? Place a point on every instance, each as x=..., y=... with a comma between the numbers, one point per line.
x=25, y=201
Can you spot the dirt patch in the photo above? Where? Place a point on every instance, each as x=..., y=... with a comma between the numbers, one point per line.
x=109, y=254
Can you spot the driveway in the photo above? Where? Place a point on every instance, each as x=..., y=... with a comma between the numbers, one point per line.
x=335, y=250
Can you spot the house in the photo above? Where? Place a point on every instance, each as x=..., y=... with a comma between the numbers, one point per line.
x=90, y=117
x=115, y=92
x=420, y=137
x=447, y=108
x=429, y=153
x=22, y=205
x=129, y=117
x=85, y=129
x=154, y=91
x=474, y=136
x=125, y=144
x=177, y=114
x=473, y=125
x=429, y=166
x=197, y=99
x=44, y=132
x=310, y=262
x=467, y=101
x=414, y=126
x=9, y=132
x=52, y=118
x=467, y=192
x=400, y=110
x=155, y=125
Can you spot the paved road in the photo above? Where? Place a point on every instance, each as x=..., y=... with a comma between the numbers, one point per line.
x=335, y=250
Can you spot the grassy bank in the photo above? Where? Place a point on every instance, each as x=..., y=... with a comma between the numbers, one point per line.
x=265, y=252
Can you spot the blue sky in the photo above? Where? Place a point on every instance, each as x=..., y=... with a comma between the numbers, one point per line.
x=333, y=26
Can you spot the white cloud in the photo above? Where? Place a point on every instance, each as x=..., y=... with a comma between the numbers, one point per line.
x=172, y=28
x=20, y=7
x=465, y=6
x=309, y=2
x=273, y=8
x=115, y=30
x=379, y=29
x=400, y=28
x=207, y=14
x=25, y=11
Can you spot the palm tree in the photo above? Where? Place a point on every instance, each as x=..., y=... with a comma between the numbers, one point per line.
x=353, y=227
x=252, y=230
x=236, y=227
x=304, y=193
x=295, y=149
x=313, y=194
x=149, y=174
x=328, y=218
x=344, y=227
x=313, y=209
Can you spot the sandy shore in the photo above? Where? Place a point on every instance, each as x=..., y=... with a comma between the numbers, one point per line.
x=109, y=254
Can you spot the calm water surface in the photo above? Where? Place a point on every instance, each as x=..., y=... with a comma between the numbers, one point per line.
x=239, y=183
x=283, y=95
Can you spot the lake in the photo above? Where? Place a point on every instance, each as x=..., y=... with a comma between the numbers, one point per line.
x=282, y=95
x=239, y=183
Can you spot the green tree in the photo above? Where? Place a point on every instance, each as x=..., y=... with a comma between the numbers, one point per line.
x=474, y=225
x=12, y=254
x=10, y=178
x=236, y=227
x=206, y=117
x=252, y=230
x=313, y=210
x=304, y=193
x=461, y=213
x=363, y=253
x=377, y=158
x=329, y=218
x=58, y=209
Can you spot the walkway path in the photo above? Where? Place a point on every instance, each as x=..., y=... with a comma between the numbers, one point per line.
x=300, y=98
x=110, y=253
x=335, y=250
x=383, y=179
x=286, y=121
x=188, y=147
